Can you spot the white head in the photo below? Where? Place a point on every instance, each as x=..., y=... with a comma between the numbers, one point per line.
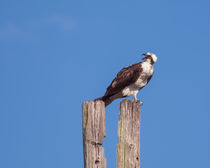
x=151, y=56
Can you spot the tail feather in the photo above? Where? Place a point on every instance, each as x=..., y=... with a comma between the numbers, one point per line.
x=106, y=99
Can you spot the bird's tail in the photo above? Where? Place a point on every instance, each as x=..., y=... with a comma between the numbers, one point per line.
x=106, y=99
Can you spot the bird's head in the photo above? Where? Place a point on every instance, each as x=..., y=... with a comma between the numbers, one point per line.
x=150, y=56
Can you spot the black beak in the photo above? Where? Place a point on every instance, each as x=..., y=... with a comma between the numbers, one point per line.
x=144, y=57
x=145, y=54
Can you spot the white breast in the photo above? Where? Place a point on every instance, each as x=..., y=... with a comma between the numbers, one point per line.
x=147, y=68
x=147, y=71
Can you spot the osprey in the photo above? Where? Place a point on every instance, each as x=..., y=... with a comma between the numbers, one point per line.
x=130, y=80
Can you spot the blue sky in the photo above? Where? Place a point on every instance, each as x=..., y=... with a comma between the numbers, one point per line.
x=54, y=55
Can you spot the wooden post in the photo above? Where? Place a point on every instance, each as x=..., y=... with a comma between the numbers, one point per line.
x=128, y=148
x=93, y=113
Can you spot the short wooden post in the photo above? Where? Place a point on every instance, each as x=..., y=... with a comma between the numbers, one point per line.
x=128, y=148
x=93, y=113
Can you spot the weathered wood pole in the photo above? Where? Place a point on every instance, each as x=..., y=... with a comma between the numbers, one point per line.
x=128, y=148
x=93, y=114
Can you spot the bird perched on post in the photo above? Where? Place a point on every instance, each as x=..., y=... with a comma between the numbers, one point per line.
x=130, y=80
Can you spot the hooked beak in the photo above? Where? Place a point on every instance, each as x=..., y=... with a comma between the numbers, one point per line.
x=144, y=54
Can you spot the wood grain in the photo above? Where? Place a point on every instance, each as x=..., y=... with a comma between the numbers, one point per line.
x=93, y=113
x=128, y=148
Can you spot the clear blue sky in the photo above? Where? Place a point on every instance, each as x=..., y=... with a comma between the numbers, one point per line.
x=56, y=54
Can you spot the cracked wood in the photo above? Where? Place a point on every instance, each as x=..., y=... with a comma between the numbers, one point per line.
x=93, y=113
x=128, y=148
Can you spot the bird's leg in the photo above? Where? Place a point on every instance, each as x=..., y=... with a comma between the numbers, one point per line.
x=135, y=98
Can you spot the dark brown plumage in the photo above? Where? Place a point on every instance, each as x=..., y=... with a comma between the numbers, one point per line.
x=125, y=77
x=130, y=80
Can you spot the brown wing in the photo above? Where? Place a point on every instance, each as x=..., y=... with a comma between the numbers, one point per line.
x=124, y=78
